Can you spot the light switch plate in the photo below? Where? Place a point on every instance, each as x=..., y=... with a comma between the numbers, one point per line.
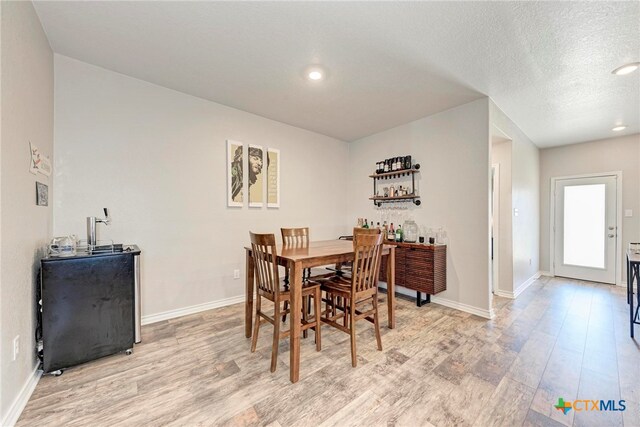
x=628, y=213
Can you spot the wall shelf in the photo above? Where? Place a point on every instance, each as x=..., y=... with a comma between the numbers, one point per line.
x=396, y=174
x=412, y=197
x=381, y=199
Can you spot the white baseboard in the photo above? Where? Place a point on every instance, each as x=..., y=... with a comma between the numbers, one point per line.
x=487, y=314
x=16, y=408
x=504, y=294
x=520, y=289
x=171, y=314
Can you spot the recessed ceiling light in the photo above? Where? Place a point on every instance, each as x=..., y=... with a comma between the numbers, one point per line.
x=626, y=69
x=619, y=128
x=315, y=75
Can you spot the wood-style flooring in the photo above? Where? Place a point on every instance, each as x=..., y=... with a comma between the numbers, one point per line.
x=440, y=367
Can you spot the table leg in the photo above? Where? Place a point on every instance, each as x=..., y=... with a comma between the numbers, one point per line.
x=629, y=279
x=248, y=302
x=295, y=278
x=391, y=287
x=631, y=313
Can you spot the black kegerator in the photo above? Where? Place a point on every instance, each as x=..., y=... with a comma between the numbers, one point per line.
x=90, y=306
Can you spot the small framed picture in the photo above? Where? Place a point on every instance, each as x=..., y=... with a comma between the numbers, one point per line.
x=42, y=194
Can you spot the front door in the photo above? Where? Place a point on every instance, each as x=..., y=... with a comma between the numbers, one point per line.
x=586, y=228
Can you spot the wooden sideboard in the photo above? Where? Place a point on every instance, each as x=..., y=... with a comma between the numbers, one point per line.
x=422, y=268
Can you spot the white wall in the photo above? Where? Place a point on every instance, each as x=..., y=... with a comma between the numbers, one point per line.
x=27, y=115
x=453, y=150
x=607, y=155
x=525, y=195
x=156, y=158
x=503, y=247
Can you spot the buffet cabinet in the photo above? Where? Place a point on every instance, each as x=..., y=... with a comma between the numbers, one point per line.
x=422, y=268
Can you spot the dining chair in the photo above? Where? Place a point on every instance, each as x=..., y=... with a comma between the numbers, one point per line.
x=344, y=269
x=348, y=295
x=269, y=286
x=293, y=238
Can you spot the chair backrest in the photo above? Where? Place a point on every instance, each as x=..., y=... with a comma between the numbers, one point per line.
x=295, y=236
x=360, y=230
x=366, y=266
x=263, y=250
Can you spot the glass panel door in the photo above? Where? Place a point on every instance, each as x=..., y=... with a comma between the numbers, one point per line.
x=585, y=228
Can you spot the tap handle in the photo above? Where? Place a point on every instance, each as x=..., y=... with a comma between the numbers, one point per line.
x=106, y=212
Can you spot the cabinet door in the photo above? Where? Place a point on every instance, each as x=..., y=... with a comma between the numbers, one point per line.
x=419, y=270
x=87, y=309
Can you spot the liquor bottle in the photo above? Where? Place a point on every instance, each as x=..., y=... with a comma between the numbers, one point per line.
x=378, y=225
x=385, y=230
x=392, y=234
x=407, y=162
x=366, y=224
x=386, y=165
x=399, y=233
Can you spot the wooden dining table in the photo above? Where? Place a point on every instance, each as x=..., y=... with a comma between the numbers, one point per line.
x=298, y=258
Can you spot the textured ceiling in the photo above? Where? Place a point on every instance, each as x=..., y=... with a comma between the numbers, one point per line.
x=547, y=65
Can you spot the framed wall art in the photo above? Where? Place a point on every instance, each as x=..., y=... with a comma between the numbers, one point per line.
x=235, y=170
x=42, y=194
x=255, y=176
x=273, y=178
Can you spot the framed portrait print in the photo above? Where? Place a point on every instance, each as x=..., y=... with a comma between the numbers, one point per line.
x=273, y=178
x=235, y=170
x=255, y=176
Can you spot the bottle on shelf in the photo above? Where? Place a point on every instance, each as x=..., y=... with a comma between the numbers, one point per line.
x=385, y=230
x=366, y=224
x=407, y=162
x=391, y=234
x=378, y=225
x=386, y=165
x=399, y=233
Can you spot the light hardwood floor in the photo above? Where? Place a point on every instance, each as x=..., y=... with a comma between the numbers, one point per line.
x=440, y=367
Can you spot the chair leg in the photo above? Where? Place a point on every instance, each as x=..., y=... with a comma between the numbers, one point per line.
x=352, y=330
x=344, y=306
x=276, y=337
x=286, y=307
x=286, y=303
x=376, y=322
x=305, y=316
x=256, y=324
x=317, y=310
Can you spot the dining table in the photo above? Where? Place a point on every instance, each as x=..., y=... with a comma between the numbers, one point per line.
x=297, y=259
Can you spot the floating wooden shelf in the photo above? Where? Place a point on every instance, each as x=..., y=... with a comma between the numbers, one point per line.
x=394, y=174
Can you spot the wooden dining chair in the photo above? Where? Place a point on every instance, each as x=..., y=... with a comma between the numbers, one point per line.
x=346, y=296
x=269, y=286
x=344, y=269
x=296, y=238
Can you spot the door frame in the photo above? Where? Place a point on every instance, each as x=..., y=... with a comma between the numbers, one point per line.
x=495, y=199
x=552, y=219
